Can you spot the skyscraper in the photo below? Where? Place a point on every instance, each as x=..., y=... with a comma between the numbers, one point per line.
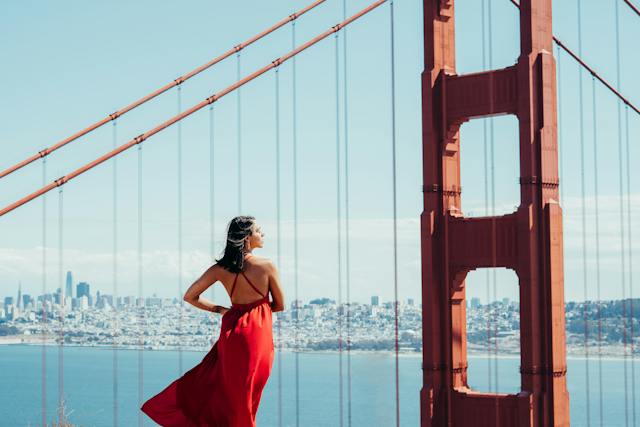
x=69, y=288
x=82, y=289
x=375, y=300
x=19, y=301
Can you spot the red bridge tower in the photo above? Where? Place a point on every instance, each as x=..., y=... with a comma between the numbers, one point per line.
x=528, y=241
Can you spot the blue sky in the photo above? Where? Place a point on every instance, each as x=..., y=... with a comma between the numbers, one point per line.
x=69, y=63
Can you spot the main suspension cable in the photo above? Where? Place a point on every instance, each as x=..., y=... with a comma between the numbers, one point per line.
x=591, y=70
x=210, y=100
x=176, y=82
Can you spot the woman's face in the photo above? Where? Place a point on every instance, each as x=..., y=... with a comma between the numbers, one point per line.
x=256, y=237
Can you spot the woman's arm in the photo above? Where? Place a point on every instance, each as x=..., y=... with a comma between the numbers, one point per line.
x=274, y=287
x=193, y=295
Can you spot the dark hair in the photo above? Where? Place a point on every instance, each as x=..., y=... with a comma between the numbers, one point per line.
x=238, y=229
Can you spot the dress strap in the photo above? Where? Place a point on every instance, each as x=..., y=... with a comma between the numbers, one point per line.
x=254, y=288
x=233, y=287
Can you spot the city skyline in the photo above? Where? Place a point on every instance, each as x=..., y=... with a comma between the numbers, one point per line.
x=88, y=236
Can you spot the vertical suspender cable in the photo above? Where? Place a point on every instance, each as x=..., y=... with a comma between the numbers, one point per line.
x=180, y=299
x=140, y=302
x=61, y=295
x=597, y=248
x=212, y=242
x=630, y=242
x=486, y=205
x=395, y=203
x=560, y=139
x=295, y=224
x=43, y=372
x=585, y=315
x=493, y=222
x=278, y=238
x=346, y=209
x=622, y=244
x=239, y=123
x=116, y=315
x=338, y=222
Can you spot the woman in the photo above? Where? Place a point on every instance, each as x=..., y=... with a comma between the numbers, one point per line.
x=224, y=389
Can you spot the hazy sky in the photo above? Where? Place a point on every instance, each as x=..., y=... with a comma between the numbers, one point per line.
x=68, y=64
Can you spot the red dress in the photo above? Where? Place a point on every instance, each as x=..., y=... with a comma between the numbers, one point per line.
x=224, y=389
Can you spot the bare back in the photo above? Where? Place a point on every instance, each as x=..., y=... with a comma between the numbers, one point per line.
x=255, y=272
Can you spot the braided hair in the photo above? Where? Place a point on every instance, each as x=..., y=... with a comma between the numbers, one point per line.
x=238, y=230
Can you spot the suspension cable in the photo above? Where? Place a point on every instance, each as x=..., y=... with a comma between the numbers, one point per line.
x=239, y=135
x=494, y=313
x=486, y=204
x=278, y=238
x=632, y=7
x=630, y=252
x=116, y=314
x=295, y=223
x=591, y=70
x=395, y=203
x=597, y=248
x=179, y=183
x=61, y=310
x=140, y=302
x=622, y=243
x=210, y=100
x=585, y=317
x=560, y=135
x=339, y=230
x=176, y=82
x=346, y=210
x=212, y=242
x=43, y=372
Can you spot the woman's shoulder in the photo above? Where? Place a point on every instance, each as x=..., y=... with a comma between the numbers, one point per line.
x=262, y=262
x=257, y=261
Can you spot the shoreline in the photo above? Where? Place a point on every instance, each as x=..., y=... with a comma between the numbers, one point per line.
x=19, y=340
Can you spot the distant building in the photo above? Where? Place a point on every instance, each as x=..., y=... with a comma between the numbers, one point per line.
x=83, y=302
x=69, y=287
x=82, y=288
x=19, y=300
x=57, y=297
x=475, y=302
x=7, y=302
x=410, y=301
x=26, y=300
x=375, y=300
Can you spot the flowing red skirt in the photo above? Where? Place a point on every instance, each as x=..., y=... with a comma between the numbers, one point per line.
x=224, y=389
